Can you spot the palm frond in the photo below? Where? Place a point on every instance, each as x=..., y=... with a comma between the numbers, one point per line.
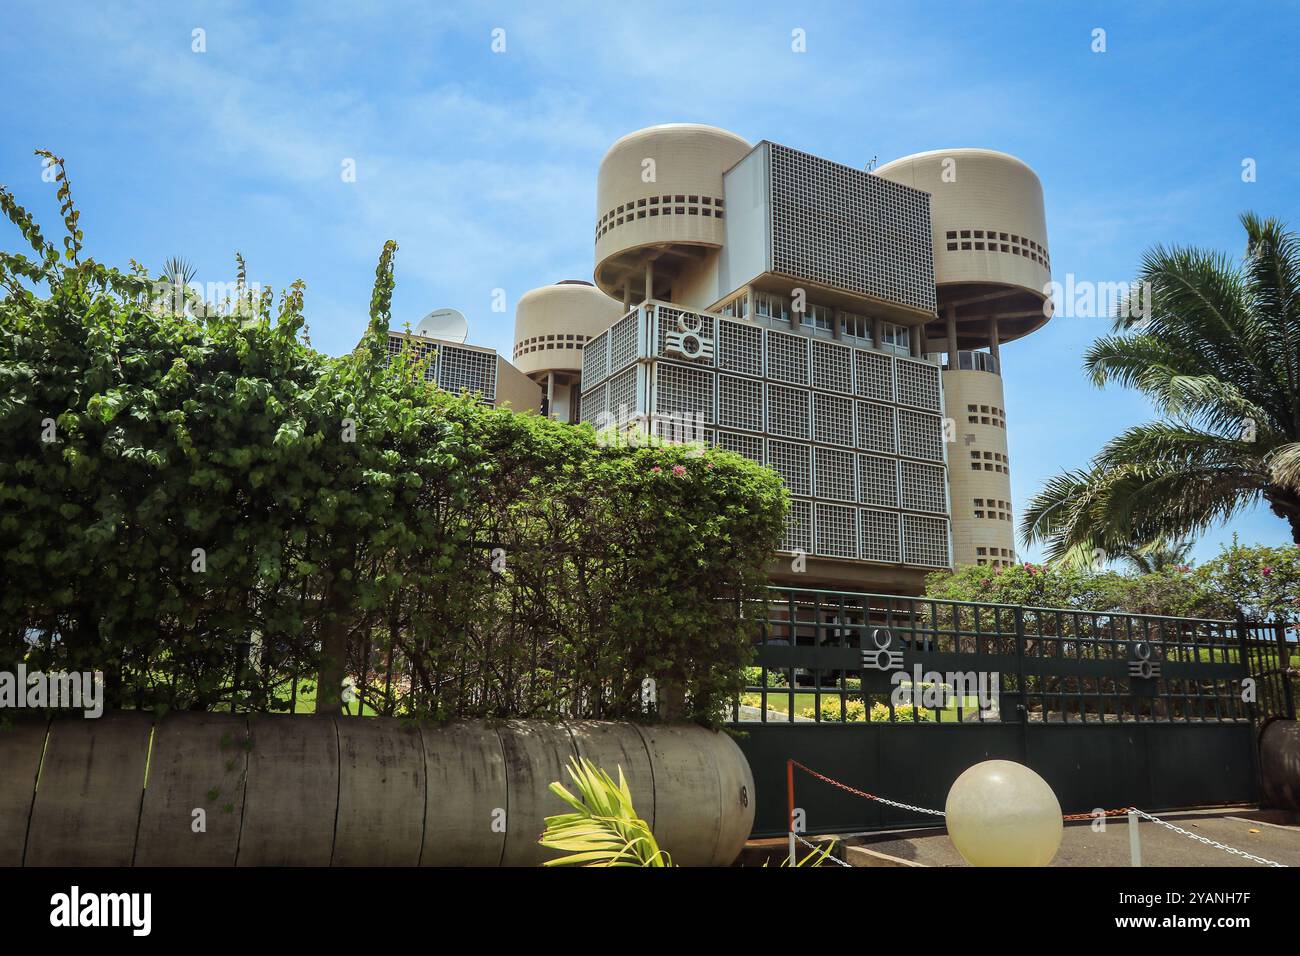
x=179, y=271
x=1218, y=354
x=1284, y=466
x=604, y=829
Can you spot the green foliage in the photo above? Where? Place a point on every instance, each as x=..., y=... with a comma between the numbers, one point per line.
x=603, y=829
x=1173, y=592
x=1219, y=358
x=1258, y=582
x=1263, y=582
x=199, y=504
x=855, y=711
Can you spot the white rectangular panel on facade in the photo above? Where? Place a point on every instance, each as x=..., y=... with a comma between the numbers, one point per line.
x=880, y=536
x=798, y=527
x=832, y=367
x=878, y=481
x=833, y=419
x=740, y=403
x=793, y=462
x=740, y=348
x=751, y=446
x=836, y=529
x=920, y=435
x=787, y=411
x=925, y=541
x=873, y=374
x=787, y=357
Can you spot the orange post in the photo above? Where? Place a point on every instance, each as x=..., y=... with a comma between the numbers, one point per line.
x=789, y=795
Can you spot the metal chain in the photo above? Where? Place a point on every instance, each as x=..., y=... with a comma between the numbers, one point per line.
x=1093, y=814
x=1207, y=841
x=814, y=846
x=862, y=793
x=1069, y=817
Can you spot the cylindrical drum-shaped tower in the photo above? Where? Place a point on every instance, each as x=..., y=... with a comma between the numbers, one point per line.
x=552, y=324
x=659, y=202
x=992, y=270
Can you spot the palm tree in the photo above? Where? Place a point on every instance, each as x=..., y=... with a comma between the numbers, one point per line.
x=178, y=273
x=1163, y=554
x=1218, y=354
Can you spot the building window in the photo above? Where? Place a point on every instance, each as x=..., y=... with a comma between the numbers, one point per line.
x=818, y=317
x=738, y=307
x=895, y=338
x=771, y=305
x=855, y=326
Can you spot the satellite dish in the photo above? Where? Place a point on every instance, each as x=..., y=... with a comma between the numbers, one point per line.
x=446, y=324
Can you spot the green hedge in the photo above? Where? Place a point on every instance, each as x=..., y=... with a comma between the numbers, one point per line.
x=197, y=503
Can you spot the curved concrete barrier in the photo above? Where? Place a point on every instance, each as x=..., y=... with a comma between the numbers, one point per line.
x=292, y=794
x=382, y=794
x=194, y=803
x=88, y=793
x=1279, y=764
x=307, y=791
x=21, y=748
x=465, y=820
x=704, y=794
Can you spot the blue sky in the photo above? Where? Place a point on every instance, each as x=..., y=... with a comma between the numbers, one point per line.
x=482, y=165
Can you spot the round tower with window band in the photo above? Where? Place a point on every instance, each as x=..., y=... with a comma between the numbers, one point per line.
x=660, y=206
x=992, y=271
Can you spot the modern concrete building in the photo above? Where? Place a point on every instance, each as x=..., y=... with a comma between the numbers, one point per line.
x=991, y=267
x=457, y=367
x=799, y=311
x=552, y=325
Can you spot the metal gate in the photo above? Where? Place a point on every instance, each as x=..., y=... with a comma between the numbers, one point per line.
x=899, y=695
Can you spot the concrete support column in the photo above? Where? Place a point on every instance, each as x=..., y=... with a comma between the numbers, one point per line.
x=649, y=279
x=550, y=394
x=952, y=336
x=918, y=344
x=994, y=348
x=877, y=331
x=627, y=298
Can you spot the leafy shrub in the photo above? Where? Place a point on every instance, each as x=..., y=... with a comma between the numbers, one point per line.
x=855, y=711
x=200, y=505
x=1178, y=593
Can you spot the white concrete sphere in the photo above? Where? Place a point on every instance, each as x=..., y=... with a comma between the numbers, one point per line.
x=1001, y=813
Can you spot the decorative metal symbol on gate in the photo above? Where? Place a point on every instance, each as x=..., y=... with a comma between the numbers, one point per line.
x=1143, y=666
x=881, y=656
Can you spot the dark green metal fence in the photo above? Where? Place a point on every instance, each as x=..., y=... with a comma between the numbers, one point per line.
x=898, y=695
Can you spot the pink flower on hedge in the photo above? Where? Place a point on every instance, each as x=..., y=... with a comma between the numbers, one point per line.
x=656, y=469
x=1266, y=571
x=679, y=470
x=708, y=465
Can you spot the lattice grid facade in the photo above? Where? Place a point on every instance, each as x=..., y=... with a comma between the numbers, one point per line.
x=855, y=434
x=451, y=367
x=848, y=229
